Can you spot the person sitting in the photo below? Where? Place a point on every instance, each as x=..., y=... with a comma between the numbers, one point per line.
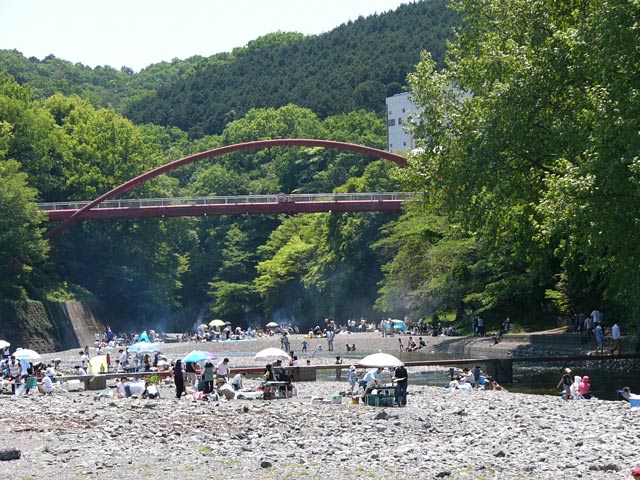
x=468, y=377
x=373, y=380
x=237, y=382
x=135, y=389
x=223, y=388
x=31, y=382
x=45, y=386
x=283, y=376
x=151, y=391
x=584, y=388
x=624, y=394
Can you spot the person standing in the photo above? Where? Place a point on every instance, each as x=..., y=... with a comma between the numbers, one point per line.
x=15, y=370
x=178, y=378
x=191, y=374
x=565, y=383
x=588, y=326
x=207, y=376
x=599, y=333
x=617, y=339
x=352, y=378
x=401, y=379
x=330, y=337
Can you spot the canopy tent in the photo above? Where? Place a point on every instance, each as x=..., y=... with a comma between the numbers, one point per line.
x=144, y=347
x=399, y=325
x=144, y=337
x=98, y=364
x=383, y=360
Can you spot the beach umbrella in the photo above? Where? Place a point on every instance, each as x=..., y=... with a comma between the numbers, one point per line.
x=271, y=354
x=144, y=347
x=380, y=360
x=217, y=323
x=199, y=356
x=26, y=354
x=271, y=324
x=4, y=344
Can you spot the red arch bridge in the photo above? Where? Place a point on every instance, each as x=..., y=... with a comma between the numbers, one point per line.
x=229, y=205
x=287, y=204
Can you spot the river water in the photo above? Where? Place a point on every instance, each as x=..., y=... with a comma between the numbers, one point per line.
x=539, y=380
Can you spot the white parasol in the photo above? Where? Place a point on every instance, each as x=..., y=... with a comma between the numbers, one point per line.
x=26, y=354
x=4, y=344
x=380, y=360
x=271, y=354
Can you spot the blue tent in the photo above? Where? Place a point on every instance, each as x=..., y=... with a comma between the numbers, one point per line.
x=399, y=325
x=144, y=337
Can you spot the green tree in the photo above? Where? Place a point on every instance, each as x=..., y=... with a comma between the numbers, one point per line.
x=22, y=249
x=530, y=145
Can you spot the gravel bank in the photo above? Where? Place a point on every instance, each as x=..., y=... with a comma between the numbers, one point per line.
x=456, y=435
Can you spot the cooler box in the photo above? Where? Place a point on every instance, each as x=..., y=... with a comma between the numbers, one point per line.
x=634, y=401
x=372, y=400
x=386, y=401
x=336, y=399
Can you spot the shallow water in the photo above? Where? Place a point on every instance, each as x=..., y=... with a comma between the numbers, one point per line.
x=538, y=380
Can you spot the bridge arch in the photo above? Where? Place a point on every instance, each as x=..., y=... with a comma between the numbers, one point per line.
x=280, y=142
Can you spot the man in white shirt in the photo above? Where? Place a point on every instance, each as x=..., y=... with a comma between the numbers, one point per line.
x=237, y=381
x=46, y=385
x=15, y=369
x=222, y=370
x=617, y=339
x=84, y=360
x=373, y=378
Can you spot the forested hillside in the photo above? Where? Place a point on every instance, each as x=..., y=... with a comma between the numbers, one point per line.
x=529, y=179
x=355, y=66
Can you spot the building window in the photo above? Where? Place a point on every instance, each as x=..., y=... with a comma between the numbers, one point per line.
x=392, y=122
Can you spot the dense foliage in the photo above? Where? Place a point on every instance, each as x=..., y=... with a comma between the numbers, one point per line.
x=528, y=168
x=532, y=150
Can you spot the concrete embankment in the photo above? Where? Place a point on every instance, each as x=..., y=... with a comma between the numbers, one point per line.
x=48, y=326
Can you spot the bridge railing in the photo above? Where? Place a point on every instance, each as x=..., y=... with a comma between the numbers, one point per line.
x=231, y=200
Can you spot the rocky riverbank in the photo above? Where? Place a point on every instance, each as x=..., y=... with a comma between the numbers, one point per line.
x=457, y=435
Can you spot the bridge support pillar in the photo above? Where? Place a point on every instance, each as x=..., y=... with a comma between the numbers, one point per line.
x=501, y=370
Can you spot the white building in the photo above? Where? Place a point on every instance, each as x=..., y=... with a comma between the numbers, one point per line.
x=399, y=108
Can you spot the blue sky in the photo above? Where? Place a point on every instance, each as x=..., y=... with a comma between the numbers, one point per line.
x=137, y=33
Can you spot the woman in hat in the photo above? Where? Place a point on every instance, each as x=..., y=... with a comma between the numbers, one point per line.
x=565, y=383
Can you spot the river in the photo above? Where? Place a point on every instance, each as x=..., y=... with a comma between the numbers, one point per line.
x=540, y=380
